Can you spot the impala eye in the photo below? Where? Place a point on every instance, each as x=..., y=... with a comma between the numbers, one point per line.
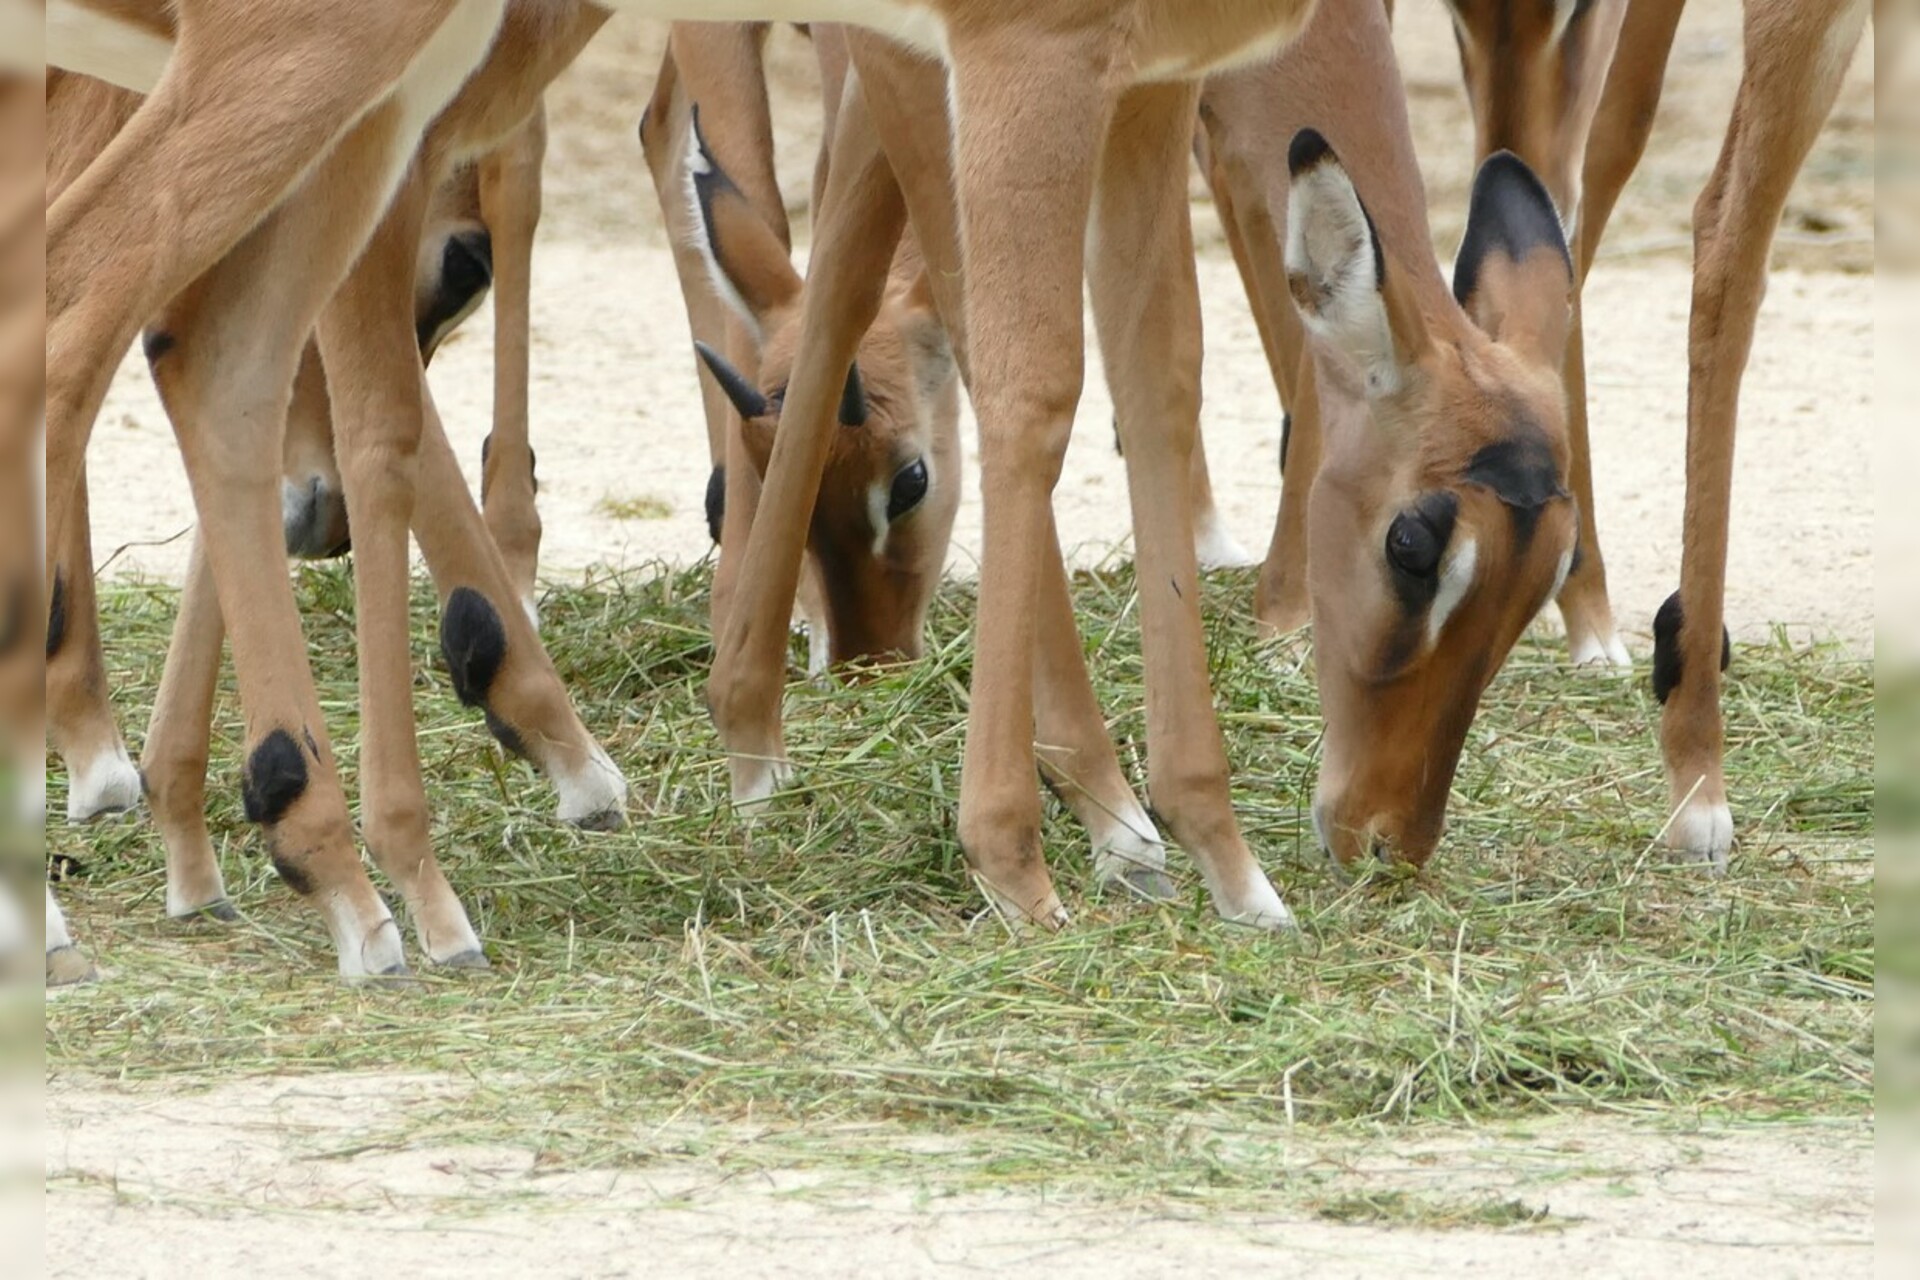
x=1414, y=545
x=909, y=489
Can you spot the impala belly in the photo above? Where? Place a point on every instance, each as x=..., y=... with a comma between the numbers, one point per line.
x=912, y=24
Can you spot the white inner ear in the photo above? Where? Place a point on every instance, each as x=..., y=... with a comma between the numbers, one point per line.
x=1456, y=579
x=700, y=235
x=1330, y=248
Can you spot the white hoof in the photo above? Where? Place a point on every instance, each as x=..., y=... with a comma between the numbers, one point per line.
x=379, y=952
x=756, y=781
x=1129, y=855
x=108, y=785
x=1600, y=652
x=593, y=796
x=1702, y=832
x=1215, y=548
x=1255, y=904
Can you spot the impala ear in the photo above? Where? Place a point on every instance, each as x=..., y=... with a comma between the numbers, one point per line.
x=749, y=266
x=745, y=396
x=1339, y=277
x=1513, y=275
x=929, y=350
x=853, y=399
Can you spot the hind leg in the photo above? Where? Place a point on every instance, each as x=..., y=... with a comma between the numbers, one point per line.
x=101, y=779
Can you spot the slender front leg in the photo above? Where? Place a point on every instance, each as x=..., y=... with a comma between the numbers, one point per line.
x=374, y=380
x=101, y=780
x=1033, y=108
x=907, y=99
x=857, y=230
x=1146, y=301
x=174, y=758
x=1622, y=124
x=510, y=206
x=1796, y=57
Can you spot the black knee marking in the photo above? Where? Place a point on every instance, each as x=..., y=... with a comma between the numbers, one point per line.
x=156, y=343
x=474, y=642
x=1286, y=438
x=292, y=874
x=716, y=501
x=57, y=614
x=275, y=777
x=1667, y=665
x=506, y=735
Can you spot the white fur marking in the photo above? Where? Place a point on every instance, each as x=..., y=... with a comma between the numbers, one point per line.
x=57, y=935
x=699, y=164
x=1214, y=545
x=1456, y=579
x=1126, y=841
x=80, y=39
x=1330, y=244
x=1560, y=573
x=104, y=785
x=1703, y=832
x=879, y=497
x=597, y=788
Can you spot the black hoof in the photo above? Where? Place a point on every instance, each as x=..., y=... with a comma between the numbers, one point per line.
x=1145, y=884
x=475, y=959
x=605, y=820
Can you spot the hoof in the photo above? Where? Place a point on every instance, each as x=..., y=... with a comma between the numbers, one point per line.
x=756, y=781
x=1215, y=548
x=1702, y=833
x=220, y=911
x=67, y=966
x=1147, y=884
x=107, y=788
x=1256, y=906
x=1599, y=652
x=594, y=797
x=473, y=960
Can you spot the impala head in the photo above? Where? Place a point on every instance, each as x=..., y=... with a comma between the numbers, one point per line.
x=1534, y=72
x=887, y=498
x=1440, y=522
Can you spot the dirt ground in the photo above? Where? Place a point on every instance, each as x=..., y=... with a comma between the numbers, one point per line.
x=234, y=1181
x=270, y=1177
x=617, y=413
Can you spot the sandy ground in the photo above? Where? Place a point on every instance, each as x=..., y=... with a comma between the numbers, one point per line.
x=157, y=1183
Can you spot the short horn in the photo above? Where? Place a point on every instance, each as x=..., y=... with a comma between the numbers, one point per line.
x=853, y=401
x=745, y=396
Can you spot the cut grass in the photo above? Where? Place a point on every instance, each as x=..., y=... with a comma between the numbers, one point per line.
x=828, y=969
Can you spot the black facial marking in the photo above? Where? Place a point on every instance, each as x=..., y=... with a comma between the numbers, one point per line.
x=156, y=343
x=716, y=501
x=474, y=643
x=853, y=400
x=1286, y=438
x=1667, y=664
x=1429, y=523
x=292, y=874
x=1512, y=215
x=275, y=777
x=1519, y=470
x=57, y=614
x=466, y=272
x=745, y=396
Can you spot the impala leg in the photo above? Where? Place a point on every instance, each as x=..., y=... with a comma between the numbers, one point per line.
x=859, y=226
x=1075, y=751
x=510, y=206
x=372, y=361
x=1622, y=123
x=101, y=779
x=312, y=498
x=203, y=161
x=224, y=356
x=1796, y=57
x=1281, y=602
x=66, y=963
x=174, y=759
x=1032, y=110
x=1147, y=299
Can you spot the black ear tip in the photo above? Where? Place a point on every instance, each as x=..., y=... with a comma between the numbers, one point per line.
x=1507, y=182
x=1308, y=149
